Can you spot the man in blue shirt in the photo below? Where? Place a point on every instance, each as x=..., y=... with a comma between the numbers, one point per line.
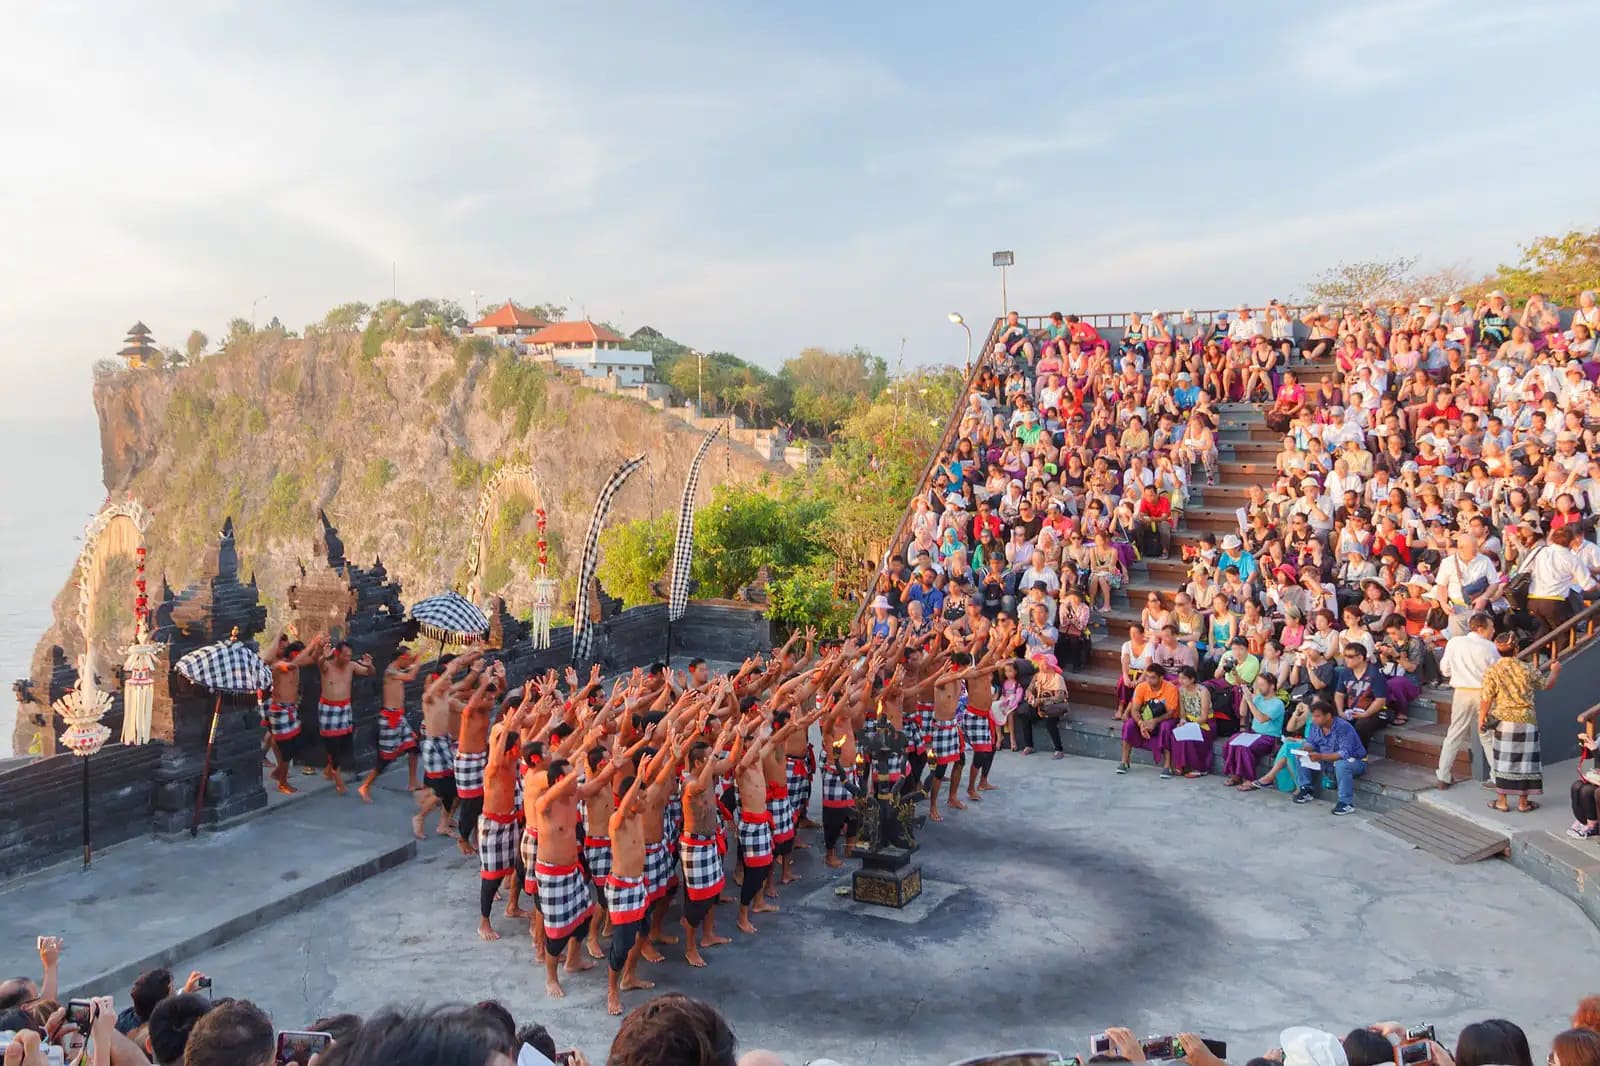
x=1331, y=739
x=925, y=592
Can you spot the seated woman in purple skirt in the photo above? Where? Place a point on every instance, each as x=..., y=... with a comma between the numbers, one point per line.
x=1191, y=758
x=1262, y=715
x=1152, y=716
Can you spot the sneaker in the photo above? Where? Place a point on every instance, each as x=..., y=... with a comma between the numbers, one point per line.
x=1579, y=831
x=1303, y=796
x=1166, y=775
x=1122, y=767
x=1343, y=808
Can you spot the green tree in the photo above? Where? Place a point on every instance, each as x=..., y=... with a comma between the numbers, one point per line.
x=548, y=312
x=1559, y=267
x=239, y=331
x=829, y=386
x=1375, y=280
x=346, y=318
x=634, y=556
x=195, y=346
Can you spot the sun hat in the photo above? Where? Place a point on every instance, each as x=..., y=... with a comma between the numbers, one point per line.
x=1230, y=542
x=1497, y=295
x=881, y=603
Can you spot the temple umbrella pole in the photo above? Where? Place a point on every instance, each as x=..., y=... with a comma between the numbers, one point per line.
x=205, y=770
x=86, y=851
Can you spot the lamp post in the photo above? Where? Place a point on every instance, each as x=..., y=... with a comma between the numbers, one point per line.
x=1003, y=260
x=258, y=299
x=699, y=385
x=474, y=302
x=955, y=316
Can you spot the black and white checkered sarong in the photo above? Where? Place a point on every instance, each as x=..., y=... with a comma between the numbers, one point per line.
x=564, y=899
x=836, y=782
x=755, y=838
x=283, y=720
x=497, y=845
x=438, y=757
x=597, y=857
x=660, y=870
x=781, y=808
x=528, y=848
x=1515, y=758
x=797, y=768
x=702, y=866
x=977, y=730
x=334, y=718
x=469, y=773
x=395, y=735
x=946, y=746
x=627, y=899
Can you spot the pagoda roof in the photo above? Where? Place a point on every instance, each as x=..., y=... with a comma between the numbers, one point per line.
x=508, y=317
x=138, y=329
x=582, y=332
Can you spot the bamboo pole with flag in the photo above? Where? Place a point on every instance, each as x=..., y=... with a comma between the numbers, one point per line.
x=582, y=629
x=683, y=543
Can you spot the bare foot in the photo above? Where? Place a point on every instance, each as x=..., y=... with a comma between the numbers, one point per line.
x=466, y=849
x=972, y=794
x=934, y=816
x=956, y=805
x=416, y=827
x=287, y=789
x=444, y=829
x=514, y=911
x=789, y=879
x=986, y=787
x=692, y=956
x=577, y=963
x=761, y=906
x=338, y=786
x=833, y=861
x=486, y=931
x=552, y=988
x=746, y=927
x=723, y=897
x=613, y=1004
x=649, y=953
x=663, y=938
x=800, y=846
x=366, y=795
x=711, y=940
x=636, y=984
x=594, y=950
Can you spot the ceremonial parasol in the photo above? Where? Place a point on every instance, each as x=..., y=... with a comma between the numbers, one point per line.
x=449, y=618
x=224, y=667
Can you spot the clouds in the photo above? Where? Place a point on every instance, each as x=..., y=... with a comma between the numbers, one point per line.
x=755, y=180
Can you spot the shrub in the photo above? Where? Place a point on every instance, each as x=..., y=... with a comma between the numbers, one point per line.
x=518, y=389
x=376, y=477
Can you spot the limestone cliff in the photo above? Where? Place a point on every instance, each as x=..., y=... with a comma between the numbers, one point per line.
x=394, y=442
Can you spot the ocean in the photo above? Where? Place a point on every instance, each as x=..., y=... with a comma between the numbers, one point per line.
x=51, y=486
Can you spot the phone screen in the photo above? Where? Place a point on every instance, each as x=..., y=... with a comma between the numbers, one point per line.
x=80, y=1012
x=296, y=1048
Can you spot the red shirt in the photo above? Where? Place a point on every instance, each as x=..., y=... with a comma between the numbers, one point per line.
x=1160, y=509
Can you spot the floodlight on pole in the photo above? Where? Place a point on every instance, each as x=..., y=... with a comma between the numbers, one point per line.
x=1004, y=260
x=955, y=316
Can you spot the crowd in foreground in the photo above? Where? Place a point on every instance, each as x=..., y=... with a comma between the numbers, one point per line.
x=1430, y=513
x=177, y=1026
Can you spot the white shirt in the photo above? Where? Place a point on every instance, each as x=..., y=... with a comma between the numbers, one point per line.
x=1556, y=570
x=1465, y=659
x=1453, y=573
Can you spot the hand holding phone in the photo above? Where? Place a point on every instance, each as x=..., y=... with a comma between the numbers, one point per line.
x=296, y=1047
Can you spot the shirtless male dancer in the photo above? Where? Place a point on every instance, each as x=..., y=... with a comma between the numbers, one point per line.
x=286, y=658
x=564, y=897
x=438, y=745
x=395, y=735
x=978, y=725
x=500, y=824
x=703, y=843
x=841, y=785
x=626, y=894
x=472, y=753
x=336, y=722
x=945, y=746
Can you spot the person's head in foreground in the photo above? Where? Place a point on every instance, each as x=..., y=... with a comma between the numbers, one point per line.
x=673, y=1030
x=236, y=1033
x=446, y=1036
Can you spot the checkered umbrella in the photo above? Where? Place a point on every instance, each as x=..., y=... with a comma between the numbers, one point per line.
x=226, y=666
x=449, y=617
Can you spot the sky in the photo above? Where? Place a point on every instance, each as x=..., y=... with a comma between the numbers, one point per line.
x=755, y=178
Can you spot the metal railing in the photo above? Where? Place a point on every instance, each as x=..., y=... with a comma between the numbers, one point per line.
x=1571, y=636
x=946, y=442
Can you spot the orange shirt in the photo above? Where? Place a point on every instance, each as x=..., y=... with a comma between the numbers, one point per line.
x=1166, y=692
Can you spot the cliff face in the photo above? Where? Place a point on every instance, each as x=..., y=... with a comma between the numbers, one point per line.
x=394, y=442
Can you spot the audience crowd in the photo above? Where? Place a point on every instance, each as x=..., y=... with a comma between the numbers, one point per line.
x=1429, y=513
x=179, y=1027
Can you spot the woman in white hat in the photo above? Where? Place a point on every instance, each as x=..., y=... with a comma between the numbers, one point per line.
x=884, y=625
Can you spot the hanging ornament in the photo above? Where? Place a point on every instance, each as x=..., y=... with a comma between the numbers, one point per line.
x=82, y=708
x=544, y=589
x=139, y=685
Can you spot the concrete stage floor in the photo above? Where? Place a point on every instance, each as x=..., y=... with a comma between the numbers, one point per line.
x=1071, y=900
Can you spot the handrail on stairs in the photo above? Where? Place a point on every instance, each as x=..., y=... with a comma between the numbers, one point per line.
x=946, y=442
x=1571, y=635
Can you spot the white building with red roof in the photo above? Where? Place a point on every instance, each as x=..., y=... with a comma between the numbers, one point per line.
x=595, y=350
x=508, y=321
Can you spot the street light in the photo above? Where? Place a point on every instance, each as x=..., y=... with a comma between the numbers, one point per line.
x=474, y=293
x=1003, y=260
x=253, y=303
x=699, y=385
x=955, y=316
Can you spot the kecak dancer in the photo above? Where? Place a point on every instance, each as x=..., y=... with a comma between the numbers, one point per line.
x=286, y=658
x=440, y=721
x=978, y=725
x=841, y=786
x=501, y=820
x=472, y=753
x=946, y=747
x=626, y=891
x=335, y=720
x=703, y=842
x=395, y=735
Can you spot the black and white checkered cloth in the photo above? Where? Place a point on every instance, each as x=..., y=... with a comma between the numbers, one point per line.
x=660, y=870
x=836, y=783
x=334, y=718
x=226, y=666
x=919, y=729
x=438, y=757
x=946, y=745
x=283, y=720
x=469, y=773
x=782, y=810
x=977, y=730
x=798, y=768
x=627, y=898
x=497, y=844
x=1515, y=757
x=449, y=616
x=564, y=899
x=702, y=866
x=597, y=857
x=582, y=628
x=755, y=838
x=529, y=846
x=683, y=544
x=395, y=735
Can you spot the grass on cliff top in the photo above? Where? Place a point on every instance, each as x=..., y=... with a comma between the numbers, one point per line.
x=516, y=388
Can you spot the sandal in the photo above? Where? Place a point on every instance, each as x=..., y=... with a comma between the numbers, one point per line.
x=1251, y=786
x=1400, y=719
x=1529, y=808
x=1493, y=806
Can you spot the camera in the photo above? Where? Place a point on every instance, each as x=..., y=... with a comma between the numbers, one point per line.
x=204, y=982
x=1419, y=1032
x=80, y=1012
x=1412, y=1054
